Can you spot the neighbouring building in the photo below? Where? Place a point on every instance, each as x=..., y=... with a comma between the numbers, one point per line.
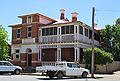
x=42, y=39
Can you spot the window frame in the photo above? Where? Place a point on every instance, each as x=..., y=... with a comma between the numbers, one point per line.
x=86, y=32
x=29, y=32
x=29, y=19
x=49, y=31
x=81, y=30
x=17, y=53
x=18, y=33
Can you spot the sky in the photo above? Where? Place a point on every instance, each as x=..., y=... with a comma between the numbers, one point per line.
x=106, y=11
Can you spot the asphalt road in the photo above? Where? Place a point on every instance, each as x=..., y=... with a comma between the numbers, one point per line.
x=43, y=78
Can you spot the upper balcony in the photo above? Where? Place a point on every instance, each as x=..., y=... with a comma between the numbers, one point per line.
x=67, y=34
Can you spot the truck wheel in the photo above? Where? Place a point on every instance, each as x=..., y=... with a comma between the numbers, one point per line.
x=59, y=75
x=84, y=75
x=50, y=76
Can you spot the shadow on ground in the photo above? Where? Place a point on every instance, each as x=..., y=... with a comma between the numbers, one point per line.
x=65, y=78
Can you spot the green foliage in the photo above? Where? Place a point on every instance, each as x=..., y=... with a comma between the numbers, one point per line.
x=118, y=21
x=3, y=44
x=101, y=57
x=111, y=39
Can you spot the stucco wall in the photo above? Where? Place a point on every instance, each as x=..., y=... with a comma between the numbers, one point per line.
x=108, y=68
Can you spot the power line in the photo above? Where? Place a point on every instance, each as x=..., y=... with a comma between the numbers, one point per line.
x=109, y=11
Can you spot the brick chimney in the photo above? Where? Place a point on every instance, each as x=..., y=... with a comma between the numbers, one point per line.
x=62, y=14
x=74, y=16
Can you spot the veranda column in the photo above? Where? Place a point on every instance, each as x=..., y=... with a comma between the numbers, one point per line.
x=39, y=55
x=76, y=54
x=58, y=54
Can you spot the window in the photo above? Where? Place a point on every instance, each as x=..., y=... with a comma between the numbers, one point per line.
x=86, y=32
x=73, y=65
x=49, y=31
x=90, y=34
x=67, y=29
x=29, y=19
x=17, y=56
x=72, y=29
x=55, y=30
x=80, y=30
x=69, y=65
x=63, y=29
x=43, y=32
x=29, y=31
x=1, y=63
x=18, y=33
x=17, y=52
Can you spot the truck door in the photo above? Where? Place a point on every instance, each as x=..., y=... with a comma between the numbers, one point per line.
x=72, y=69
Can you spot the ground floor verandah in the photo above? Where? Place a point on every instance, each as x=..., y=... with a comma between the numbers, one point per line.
x=30, y=59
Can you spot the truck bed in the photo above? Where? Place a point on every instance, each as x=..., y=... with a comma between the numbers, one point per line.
x=49, y=68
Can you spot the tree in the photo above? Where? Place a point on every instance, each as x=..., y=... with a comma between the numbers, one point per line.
x=101, y=57
x=3, y=44
x=118, y=21
x=111, y=39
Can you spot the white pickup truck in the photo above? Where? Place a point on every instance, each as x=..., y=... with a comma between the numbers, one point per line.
x=60, y=69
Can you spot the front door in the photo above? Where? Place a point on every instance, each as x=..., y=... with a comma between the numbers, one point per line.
x=29, y=59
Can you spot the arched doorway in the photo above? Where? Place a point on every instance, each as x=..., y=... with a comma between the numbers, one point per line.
x=29, y=57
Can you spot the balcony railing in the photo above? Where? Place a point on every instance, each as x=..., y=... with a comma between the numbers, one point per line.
x=67, y=38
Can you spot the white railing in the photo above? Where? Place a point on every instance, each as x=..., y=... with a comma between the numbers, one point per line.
x=48, y=63
x=96, y=42
x=28, y=40
x=67, y=38
x=48, y=39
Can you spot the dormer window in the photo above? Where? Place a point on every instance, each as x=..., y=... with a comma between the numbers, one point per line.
x=29, y=19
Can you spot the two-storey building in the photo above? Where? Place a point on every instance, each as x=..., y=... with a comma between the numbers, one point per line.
x=42, y=39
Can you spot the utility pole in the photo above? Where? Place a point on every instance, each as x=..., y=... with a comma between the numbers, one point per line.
x=92, y=62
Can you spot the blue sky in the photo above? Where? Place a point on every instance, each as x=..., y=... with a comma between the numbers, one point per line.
x=107, y=11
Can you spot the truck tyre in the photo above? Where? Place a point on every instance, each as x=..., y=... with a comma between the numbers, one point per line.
x=84, y=75
x=50, y=76
x=59, y=75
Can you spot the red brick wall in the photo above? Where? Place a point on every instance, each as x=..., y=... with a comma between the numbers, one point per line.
x=14, y=33
x=24, y=20
x=24, y=32
x=49, y=54
x=15, y=41
x=18, y=63
x=23, y=56
x=67, y=54
x=35, y=18
x=14, y=36
x=34, y=56
x=35, y=29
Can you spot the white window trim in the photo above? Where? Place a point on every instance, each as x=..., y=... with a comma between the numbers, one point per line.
x=28, y=19
x=27, y=32
x=17, y=54
x=18, y=33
